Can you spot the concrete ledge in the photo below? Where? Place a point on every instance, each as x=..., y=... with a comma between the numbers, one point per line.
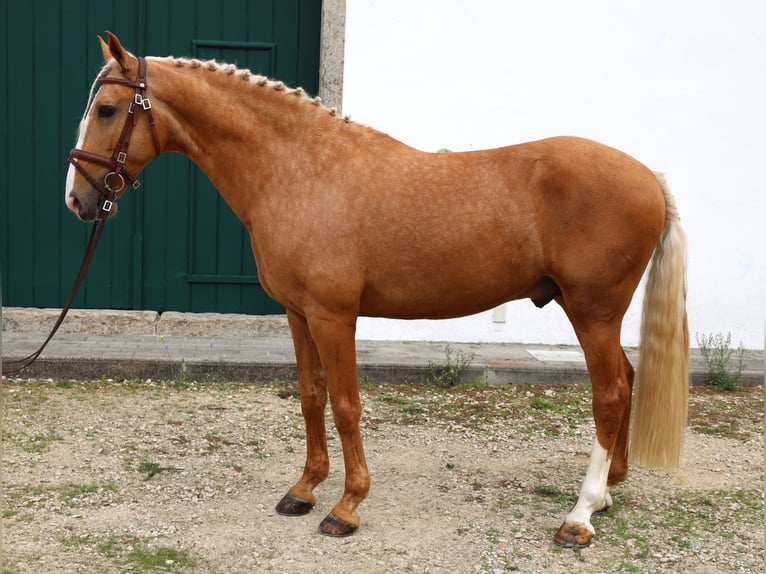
x=222, y=325
x=111, y=322
x=259, y=373
x=95, y=321
x=90, y=370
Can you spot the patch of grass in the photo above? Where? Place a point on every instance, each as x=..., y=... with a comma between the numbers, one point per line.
x=552, y=492
x=70, y=491
x=683, y=521
x=64, y=384
x=286, y=389
x=39, y=443
x=542, y=404
x=394, y=398
x=132, y=553
x=66, y=493
x=152, y=469
x=139, y=556
x=151, y=559
x=727, y=414
x=215, y=441
x=74, y=540
x=706, y=430
x=545, y=490
x=493, y=535
x=481, y=407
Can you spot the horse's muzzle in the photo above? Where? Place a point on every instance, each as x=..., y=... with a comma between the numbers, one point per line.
x=88, y=208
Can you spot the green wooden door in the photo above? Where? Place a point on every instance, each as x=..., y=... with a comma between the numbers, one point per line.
x=175, y=244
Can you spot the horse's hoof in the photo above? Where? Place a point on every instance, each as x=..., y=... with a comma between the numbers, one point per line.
x=334, y=526
x=293, y=506
x=573, y=535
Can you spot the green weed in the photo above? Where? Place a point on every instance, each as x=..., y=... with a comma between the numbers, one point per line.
x=724, y=364
x=152, y=469
x=541, y=404
x=450, y=373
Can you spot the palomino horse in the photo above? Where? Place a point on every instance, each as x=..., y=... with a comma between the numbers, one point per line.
x=346, y=221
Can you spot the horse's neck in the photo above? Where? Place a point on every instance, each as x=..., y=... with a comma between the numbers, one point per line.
x=239, y=131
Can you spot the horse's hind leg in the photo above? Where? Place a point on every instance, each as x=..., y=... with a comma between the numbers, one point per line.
x=611, y=405
x=618, y=471
x=300, y=498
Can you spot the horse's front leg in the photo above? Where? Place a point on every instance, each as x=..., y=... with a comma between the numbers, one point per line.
x=300, y=498
x=334, y=338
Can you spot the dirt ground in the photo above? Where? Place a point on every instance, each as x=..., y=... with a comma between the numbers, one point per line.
x=136, y=476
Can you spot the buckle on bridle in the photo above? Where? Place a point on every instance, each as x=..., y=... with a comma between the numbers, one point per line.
x=107, y=205
x=140, y=100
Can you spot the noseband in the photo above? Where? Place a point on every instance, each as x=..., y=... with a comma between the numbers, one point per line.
x=119, y=178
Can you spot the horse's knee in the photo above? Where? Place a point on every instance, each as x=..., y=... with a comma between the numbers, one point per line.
x=347, y=416
x=347, y=426
x=313, y=399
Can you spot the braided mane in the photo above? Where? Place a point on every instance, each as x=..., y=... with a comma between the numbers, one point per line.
x=247, y=76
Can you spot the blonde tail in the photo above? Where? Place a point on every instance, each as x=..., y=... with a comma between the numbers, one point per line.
x=662, y=377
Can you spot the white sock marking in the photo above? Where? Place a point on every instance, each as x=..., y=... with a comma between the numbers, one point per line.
x=594, y=494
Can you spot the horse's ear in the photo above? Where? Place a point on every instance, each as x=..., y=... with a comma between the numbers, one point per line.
x=115, y=50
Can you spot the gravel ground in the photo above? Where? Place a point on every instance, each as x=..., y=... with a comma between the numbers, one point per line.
x=159, y=477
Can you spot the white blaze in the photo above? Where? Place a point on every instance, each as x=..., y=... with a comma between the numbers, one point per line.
x=70, y=175
x=71, y=171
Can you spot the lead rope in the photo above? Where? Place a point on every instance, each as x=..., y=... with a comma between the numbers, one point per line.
x=95, y=235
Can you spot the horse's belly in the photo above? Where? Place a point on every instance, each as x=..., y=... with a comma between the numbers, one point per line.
x=442, y=295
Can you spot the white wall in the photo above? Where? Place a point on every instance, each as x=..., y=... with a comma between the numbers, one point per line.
x=679, y=85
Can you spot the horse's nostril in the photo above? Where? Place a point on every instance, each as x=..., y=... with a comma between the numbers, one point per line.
x=73, y=203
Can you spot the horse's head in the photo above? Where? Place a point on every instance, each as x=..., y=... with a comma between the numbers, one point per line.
x=113, y=146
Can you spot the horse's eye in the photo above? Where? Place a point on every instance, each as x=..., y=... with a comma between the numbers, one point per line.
x=106, y=111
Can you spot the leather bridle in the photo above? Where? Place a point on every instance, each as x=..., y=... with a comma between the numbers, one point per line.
x=113, y=186
x=116, y=180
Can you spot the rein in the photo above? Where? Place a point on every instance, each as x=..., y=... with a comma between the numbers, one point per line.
x=107, y=189
x=95, y=235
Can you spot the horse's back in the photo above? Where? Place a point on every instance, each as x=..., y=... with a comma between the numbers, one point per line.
x=460, y=232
